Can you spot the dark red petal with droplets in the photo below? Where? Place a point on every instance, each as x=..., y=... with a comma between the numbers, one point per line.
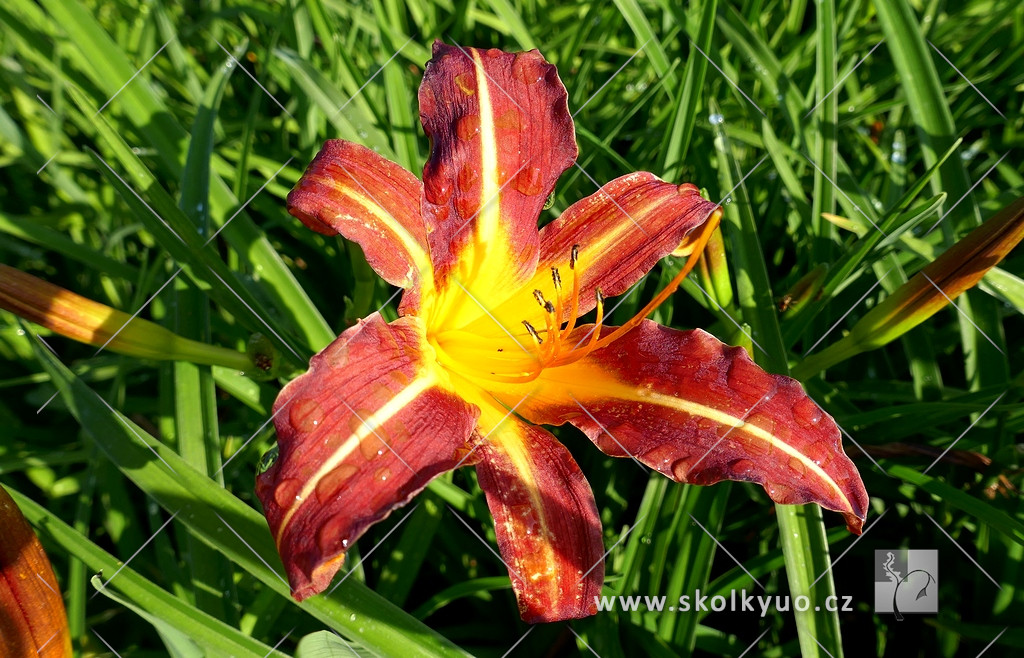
x=362, y=432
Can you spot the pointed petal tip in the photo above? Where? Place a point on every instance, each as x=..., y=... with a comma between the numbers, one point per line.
x=854, y=523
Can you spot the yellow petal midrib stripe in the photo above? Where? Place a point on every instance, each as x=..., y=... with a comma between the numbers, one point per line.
x=413, y=390
x=488, y=222
x=618, y=391
x=412, y=246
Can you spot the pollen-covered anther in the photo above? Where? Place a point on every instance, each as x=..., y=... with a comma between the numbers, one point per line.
x=533, y=333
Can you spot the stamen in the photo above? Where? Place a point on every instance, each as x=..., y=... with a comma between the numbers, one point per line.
x=549, y=307
x=596, y=334
x=574, y=306
x=696, y=248
x=556, y=311
x=539, y=296
x=533, y=333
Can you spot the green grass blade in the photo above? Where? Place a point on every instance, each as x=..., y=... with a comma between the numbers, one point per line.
x=137, y=590
x=232, y=527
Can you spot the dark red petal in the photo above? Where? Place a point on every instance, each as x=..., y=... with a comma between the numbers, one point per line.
x=501, y=135
x=622, y=231
x=361, y=433
x=351, y=190
x=546, y=521
x=701, y=412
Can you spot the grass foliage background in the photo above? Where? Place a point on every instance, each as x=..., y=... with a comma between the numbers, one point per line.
x=127, y=124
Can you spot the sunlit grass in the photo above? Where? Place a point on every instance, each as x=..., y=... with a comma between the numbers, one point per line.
x=109, y=188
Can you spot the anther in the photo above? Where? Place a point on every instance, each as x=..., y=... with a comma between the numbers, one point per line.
x=539, y=296
x=556, y=278
x=599, y=296
x=549, y=307
x=574, y=255
x=533, y=332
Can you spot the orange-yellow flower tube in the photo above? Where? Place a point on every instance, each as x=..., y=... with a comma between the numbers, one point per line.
x=87, y=321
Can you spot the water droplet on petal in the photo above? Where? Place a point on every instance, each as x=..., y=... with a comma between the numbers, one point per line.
x=287, y=492
x=688, y=189
x=742, y=468
x=329, y=537
x=331, y=484
x=466, y=82
x=437, y=183
x=382, y=474
x=305, y=415
x=528, y=68
x=509, y=120
x=529, y=181
x=336, y=354
x=468, y=126
x=468, y=177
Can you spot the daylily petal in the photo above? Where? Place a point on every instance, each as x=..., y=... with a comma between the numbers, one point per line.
x=700, y=412
x=545, y=519
x=351, y=190
x=621, y=232
x=32, y=617
x=363, y=431
x=501, y=135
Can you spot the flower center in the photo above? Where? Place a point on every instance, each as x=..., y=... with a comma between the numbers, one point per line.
x=521, y=355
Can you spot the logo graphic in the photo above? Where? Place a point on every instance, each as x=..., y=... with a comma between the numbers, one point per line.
x=907, y=581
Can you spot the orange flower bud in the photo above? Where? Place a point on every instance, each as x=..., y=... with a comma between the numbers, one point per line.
x=33, y=622
x=958, y=269
x=87, y=321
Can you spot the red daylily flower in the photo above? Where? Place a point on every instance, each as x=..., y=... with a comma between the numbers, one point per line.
x=488, y=346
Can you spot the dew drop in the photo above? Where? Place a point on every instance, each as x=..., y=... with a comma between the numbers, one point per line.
x=528, y=68
x=687, y=189
x=466, y=82
x=352, y=617
x=287, y=492
x=305, y=415
x=399, y=377
x=529, y=181
x=509, y=120
x=681, y=469
x=371, y=447
x=329, y=536
x=382, y=474
x=467, y=178
x=468, y=126
x=437, y=184
x=742, y=468
x=331, y=484
x=336, y=354
x=728, y=200
x=716, y=119
x=466, y=206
